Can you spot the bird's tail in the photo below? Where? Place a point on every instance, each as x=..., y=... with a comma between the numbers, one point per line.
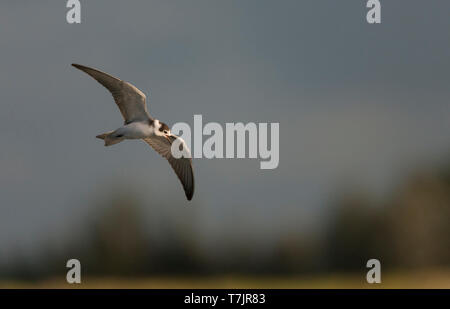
x=110, y=138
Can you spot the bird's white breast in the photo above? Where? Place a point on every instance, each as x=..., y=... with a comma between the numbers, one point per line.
x=137, y=130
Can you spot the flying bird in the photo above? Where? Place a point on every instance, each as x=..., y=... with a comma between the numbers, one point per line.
x=140, y=125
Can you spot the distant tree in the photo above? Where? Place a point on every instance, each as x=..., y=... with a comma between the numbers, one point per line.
x=419, y=220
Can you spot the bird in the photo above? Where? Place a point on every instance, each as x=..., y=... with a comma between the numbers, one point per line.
x=139, y=124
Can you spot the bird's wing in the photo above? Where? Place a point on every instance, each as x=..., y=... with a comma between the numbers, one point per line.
x=129, y=99
x=181, y=166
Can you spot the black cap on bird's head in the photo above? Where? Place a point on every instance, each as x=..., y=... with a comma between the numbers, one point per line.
x=164, y=127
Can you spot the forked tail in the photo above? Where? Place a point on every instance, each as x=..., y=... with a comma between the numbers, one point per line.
x=110, y=138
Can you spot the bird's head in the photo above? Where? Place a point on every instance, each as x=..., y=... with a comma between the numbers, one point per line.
x=164, y=130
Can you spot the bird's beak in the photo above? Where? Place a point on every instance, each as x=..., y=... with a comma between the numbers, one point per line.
x=168, y=137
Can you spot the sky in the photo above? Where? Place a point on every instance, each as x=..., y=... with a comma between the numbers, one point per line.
x=356, y=103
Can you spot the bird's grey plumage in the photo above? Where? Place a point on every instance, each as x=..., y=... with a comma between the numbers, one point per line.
x=181, y=166
x=132, y=104
x=129, y=99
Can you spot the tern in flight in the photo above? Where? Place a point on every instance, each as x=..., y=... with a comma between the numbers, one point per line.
x=140, y=125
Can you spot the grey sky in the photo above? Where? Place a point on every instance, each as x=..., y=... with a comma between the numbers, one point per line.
x=354, y=101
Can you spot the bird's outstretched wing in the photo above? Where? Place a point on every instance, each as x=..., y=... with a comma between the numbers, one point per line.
x=181, y=166
x=129, y=99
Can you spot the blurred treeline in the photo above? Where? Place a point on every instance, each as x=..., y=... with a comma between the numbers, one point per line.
x=408, y=230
